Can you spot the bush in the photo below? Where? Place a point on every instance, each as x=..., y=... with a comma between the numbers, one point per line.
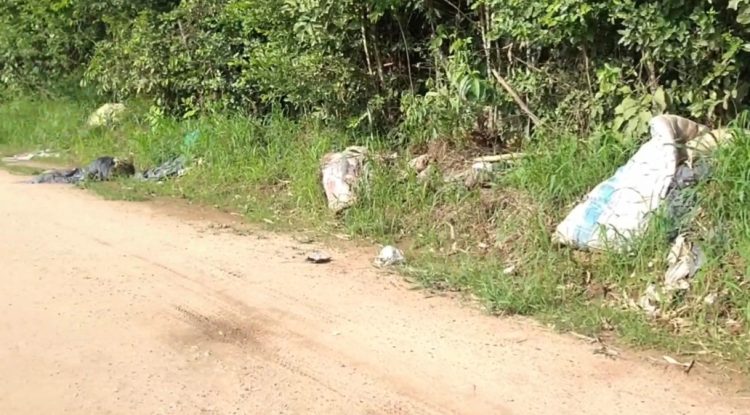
x=428, y=65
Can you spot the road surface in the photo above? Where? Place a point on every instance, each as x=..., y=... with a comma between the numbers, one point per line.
x=132, y=308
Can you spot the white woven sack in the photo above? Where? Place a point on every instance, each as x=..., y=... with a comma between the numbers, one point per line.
x=617, y=209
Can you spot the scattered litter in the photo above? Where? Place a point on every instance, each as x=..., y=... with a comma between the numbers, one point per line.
x=607, y=351
x=684, y=261
x=710, y=299
x=389, y=157
x=170, y=168
x=101, y=169
x=420, y=163
x=479, y=173
x=482, y=167
x=189, y=141
x=60, y=176
x=603, y=349
x=650, y=300
x=687, y=367
x=341, y=174
x=477, y=178
x=425, y=174
x=106, y=168
x=509, y=270
x=681, y=200
x=389, y=256
x=500, y=157
x=318, y=257
x=584, y=337
x=29, y=156
x=617, y=209
x=107, y=114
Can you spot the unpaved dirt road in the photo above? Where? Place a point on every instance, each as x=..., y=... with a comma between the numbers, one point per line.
x=126, y=308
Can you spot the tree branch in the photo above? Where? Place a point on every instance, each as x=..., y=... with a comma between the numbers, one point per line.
x=516, y=98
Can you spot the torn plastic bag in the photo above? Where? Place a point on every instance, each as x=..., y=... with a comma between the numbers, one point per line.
x=170, y=168
x=60, y=176
x=341, y=174
x=616, y=210
x=684, y=259
x=682, y=201
x=389, y=256
x=101, y=169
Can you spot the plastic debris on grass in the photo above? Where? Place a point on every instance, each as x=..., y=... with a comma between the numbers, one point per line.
x=29, y=156
x=617, y=210
x=342, y=172
x=685, y=259
x=389, y=256
x=102, y=169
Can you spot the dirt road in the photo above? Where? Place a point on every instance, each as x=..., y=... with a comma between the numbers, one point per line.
x=127, y=308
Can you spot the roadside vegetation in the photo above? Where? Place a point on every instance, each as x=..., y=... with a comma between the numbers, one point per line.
x=271, y=86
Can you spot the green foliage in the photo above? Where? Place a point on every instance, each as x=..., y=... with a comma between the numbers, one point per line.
x=451, y=105
x=42, y=41
x=426, y=65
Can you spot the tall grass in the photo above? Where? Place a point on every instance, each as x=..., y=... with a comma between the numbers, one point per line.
x=492, y=244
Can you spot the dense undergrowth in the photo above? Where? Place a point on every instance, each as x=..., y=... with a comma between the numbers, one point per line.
x=416, y=70
x=457, y=239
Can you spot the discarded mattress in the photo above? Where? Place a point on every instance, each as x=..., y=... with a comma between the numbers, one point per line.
x=101, y=169
x=617, y=210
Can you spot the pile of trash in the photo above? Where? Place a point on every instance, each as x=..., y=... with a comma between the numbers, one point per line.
x=108, y=168
x=660, y=174
x=175, y=167
x=342, y=173
x=617, y=210
x=102, y=169
x=609, y=217
x=480, y=173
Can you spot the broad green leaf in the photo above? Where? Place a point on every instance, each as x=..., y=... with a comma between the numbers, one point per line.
x=476, y=88
x=660, y=100
x=743, y=17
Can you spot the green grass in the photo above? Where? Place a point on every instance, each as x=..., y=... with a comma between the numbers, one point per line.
x=456, y=239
